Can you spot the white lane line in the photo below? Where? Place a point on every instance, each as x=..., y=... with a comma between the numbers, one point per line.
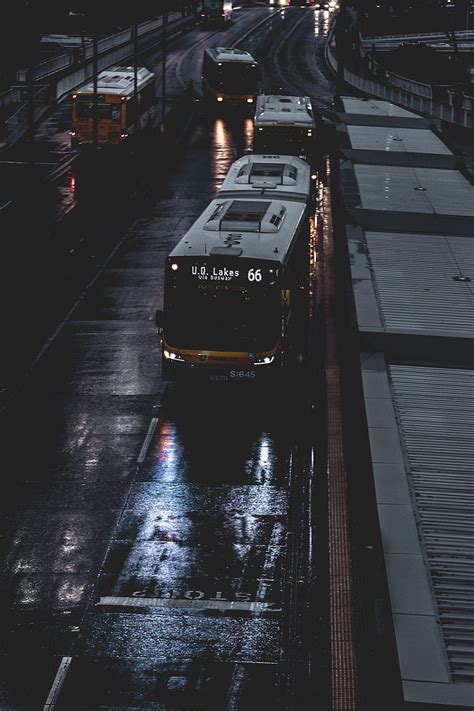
x=148, y=438
x=196, y=604
x=5, y=204
x=252, y=29
x=55, y=690
x=26, y=162
x=49, y=341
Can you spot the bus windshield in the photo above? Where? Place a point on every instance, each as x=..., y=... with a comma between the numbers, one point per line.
x=237, y=77
x=223, y=320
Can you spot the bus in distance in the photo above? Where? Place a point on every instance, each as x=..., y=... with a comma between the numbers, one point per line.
x=285, y=124
x=117, y=108
x=219, y=11
x=230, y=76
x=233, y=284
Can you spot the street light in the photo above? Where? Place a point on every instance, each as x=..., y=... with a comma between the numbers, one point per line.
x=71, y=13
x=164, y=21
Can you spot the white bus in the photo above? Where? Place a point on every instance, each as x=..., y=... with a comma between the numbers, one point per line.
x=234, y=284
x=284, y=124
x=230, y=76
x=219, y=11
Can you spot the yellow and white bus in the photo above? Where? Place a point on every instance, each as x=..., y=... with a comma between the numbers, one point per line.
x=285, y=124
x=233, y=284
x=117, y=107
x=230, y=76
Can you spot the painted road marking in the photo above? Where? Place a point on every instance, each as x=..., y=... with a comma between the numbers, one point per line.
x=27, y=162
x=55, y=690
x=195, y=604
x=148, y=438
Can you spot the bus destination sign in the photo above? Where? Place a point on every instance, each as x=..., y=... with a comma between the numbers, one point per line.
x=221, y=273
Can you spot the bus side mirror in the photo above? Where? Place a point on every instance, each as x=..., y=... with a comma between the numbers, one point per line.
x=159, y=318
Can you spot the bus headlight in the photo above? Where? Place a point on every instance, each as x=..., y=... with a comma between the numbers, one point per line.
x=170, y=355
x=264, y=361
x=309, y=133
x=249, y=101
x=220, y=98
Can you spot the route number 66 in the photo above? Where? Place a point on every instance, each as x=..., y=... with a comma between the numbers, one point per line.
x=254, y=275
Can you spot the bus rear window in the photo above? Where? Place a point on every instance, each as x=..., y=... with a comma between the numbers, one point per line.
x=84, y=110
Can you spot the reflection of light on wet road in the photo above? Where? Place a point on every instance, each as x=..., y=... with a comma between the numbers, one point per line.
x=326, y=21
x=223, y=154
x=314, y=219
x=168, y=460
x=317, y=27
x=248, y=135
x=70, y=593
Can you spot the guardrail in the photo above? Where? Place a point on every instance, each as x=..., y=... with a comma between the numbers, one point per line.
x=460, y=34
x=106, y=44
x=119, y=47
x=459, y=109
x=46, y=68
x=11, y=96
x=111, y=50
x=17, y=124
x=414, y=87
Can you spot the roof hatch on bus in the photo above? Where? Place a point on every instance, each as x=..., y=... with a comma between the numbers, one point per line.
x=265, y=174
x=247, y=216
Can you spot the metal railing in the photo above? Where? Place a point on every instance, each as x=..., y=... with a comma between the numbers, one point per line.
x=11, y=96
x=414, y=87
x=65, y=61
x=460, y=34
x=110, y=51
x=458, y=109
x=18, y=123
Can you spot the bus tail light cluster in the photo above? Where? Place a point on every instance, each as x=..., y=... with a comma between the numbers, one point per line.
x=171, y=355
x=264, y=361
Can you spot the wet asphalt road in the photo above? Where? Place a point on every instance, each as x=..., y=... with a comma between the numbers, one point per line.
x=156, y=547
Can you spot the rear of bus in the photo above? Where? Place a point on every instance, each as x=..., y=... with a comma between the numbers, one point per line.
x=230, y=77
x=111, y=121
x=285, y=124
x=217, y=11
x=222, y=319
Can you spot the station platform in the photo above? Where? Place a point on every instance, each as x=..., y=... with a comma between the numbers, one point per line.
x=410, y=241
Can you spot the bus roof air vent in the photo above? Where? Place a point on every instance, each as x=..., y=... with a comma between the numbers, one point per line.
x=244, y=215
